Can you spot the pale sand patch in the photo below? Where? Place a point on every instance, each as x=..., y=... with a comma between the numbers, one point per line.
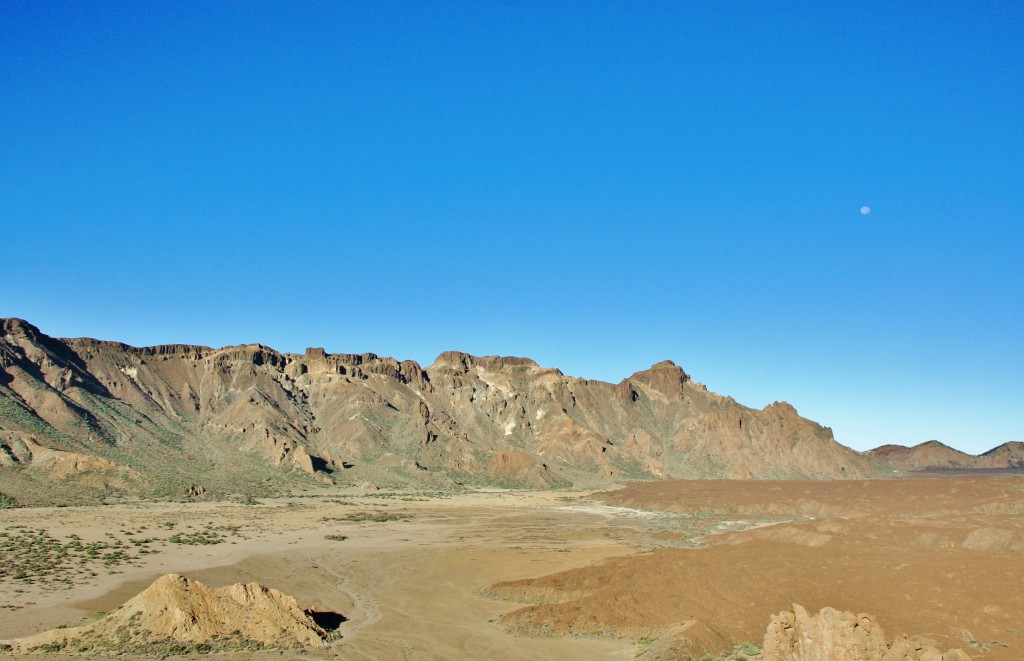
x=610, y=510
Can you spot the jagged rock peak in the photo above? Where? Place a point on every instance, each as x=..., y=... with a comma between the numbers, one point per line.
x=453, y=360
x=463, y=362
x=195, y=351
x=664, y=376
x=316, y=361
x=664, y=366
x=498, y=362
x=833, y=635
x=258, y=354
x=353, y=359
x=15, y=326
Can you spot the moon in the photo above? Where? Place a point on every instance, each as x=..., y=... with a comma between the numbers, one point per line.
x=865, y=210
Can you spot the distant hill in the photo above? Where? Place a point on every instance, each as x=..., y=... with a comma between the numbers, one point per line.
x=106, y=418
x=933, y=455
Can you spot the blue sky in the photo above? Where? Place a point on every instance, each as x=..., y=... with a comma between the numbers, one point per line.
x=596, y=185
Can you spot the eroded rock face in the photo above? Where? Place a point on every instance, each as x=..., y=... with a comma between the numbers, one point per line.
x=191, y=413
x=190, y=611
x=833, y=635
x=178, y=611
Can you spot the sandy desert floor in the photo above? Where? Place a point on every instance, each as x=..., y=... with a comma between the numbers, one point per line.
x=555, y=575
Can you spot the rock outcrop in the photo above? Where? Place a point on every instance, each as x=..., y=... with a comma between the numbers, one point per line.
x=175, y=614
x=833, y=635
x=237, y=416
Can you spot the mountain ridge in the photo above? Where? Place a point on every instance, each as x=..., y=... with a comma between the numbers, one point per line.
x=172, y=417
x=935, y=455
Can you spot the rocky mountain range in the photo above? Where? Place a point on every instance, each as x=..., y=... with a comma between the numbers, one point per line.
x=105, y=418
x=933, y=455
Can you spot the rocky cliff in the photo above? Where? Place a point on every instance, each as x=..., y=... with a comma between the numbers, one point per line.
x=833, y=635
x=158, y=420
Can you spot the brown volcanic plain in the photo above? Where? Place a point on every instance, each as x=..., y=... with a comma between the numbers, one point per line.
x=942, y=557
x=276, y=463
x=660, y=570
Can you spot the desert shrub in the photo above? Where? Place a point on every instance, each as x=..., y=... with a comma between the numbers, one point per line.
x=748, y=648
x=376, y=517
x=196, y=538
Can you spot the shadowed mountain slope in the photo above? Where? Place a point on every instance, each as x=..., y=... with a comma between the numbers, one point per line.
x=108, y=417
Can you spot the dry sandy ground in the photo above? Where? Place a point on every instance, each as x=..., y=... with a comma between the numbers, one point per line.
x=662, y=562
x=410, y=589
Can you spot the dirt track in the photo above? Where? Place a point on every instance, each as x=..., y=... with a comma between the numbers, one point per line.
x=703, y=561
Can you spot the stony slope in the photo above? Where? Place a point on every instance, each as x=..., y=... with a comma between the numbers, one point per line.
x=248, y=418
x=932, y=455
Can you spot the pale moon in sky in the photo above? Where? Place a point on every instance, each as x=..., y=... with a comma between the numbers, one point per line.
x=865, y=211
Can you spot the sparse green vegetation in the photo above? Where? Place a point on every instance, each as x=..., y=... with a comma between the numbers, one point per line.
x=16, y=415
x=211, y=534
x=741, y=652
x=392, y=495
x=336, y=538
x=130, y=638
x=986, y=646
x=34, y=556
x=745, y=652
x=165, y=647
x=376, y=517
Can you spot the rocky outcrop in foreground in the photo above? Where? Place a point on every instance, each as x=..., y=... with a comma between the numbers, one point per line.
x=832, y=635
x=177, y=615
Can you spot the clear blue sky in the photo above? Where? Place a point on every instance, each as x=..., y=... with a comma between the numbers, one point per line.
x=596, y=185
